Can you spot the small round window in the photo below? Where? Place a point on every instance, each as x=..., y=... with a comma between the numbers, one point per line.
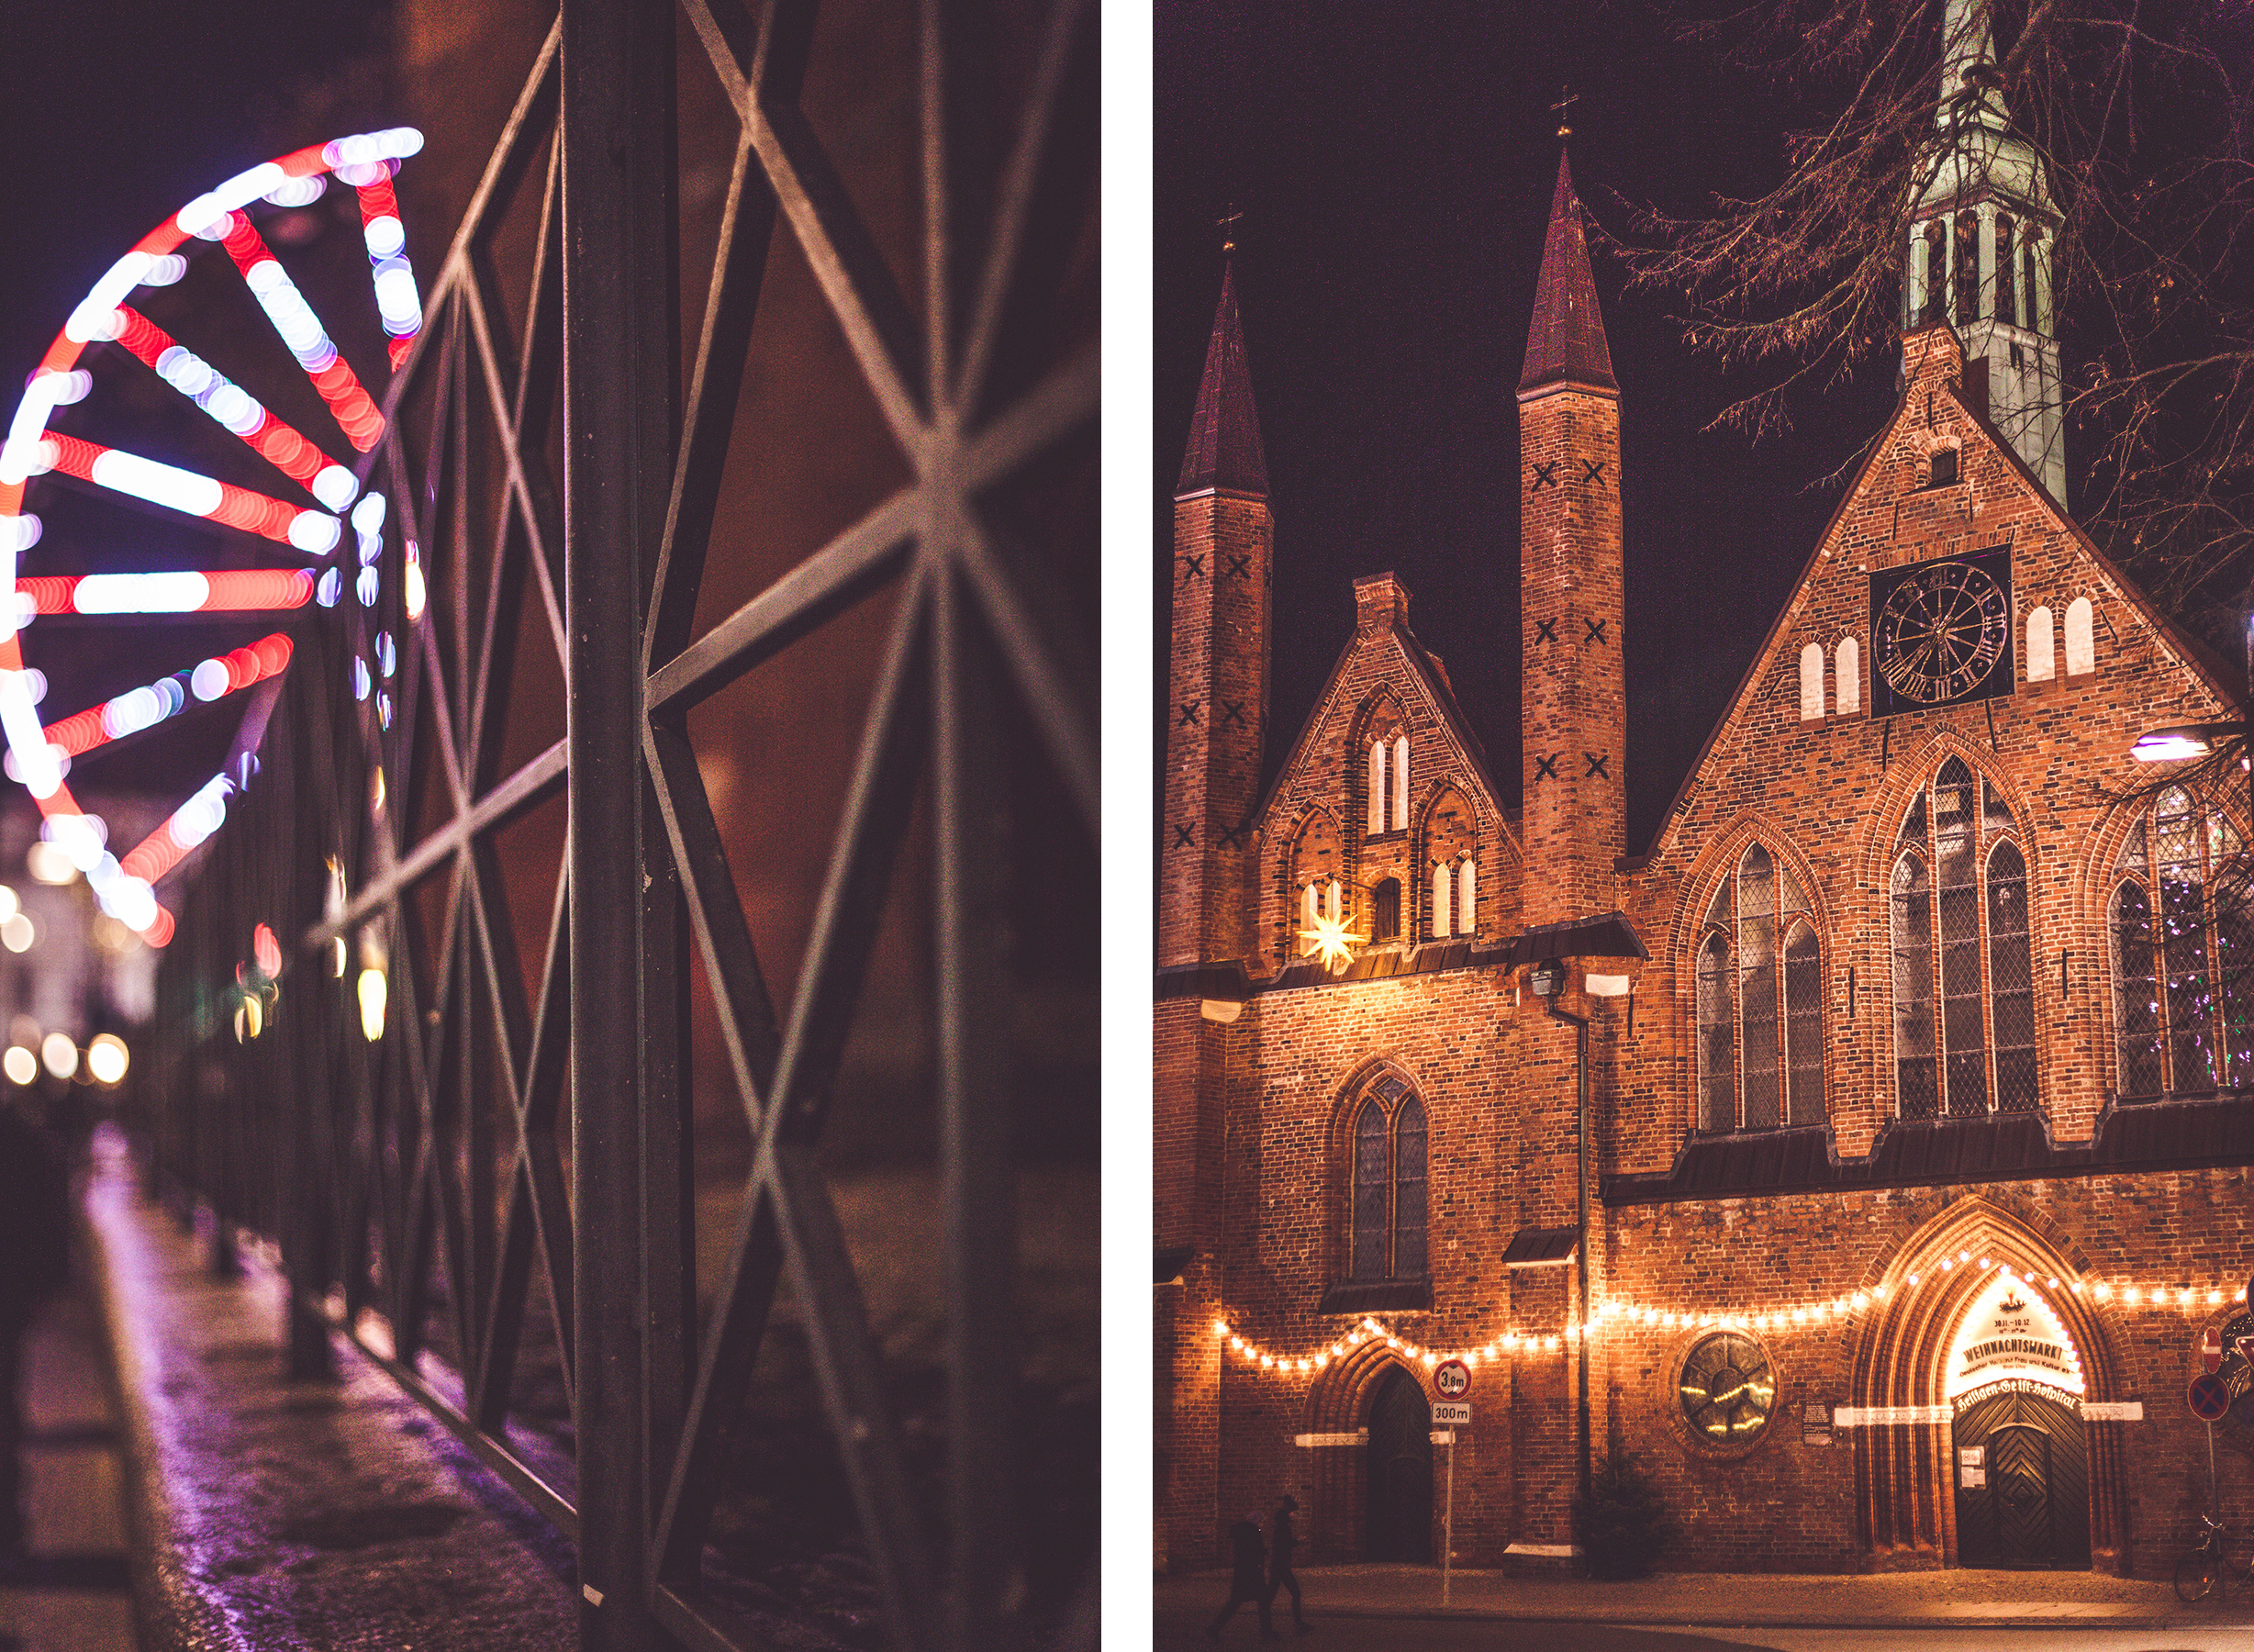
x=1726, y=1389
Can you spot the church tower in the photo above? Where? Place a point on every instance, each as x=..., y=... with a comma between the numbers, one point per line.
x=1217, y=702
x=1573, y=718
x=1982, y=232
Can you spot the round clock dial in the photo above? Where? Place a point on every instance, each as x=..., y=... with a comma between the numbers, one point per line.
x=1727, y=1387
x=1941, y=632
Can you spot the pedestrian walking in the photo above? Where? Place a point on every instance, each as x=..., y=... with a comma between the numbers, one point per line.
x=1247, y=1585
x=35, y=1259
x=1282, y=1540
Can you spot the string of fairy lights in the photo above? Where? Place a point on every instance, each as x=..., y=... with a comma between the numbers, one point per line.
x=1620, y=1314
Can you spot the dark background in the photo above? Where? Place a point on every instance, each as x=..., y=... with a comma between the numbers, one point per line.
x=1394, y=165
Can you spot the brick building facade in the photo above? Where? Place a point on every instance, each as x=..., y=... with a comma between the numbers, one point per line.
x=1879, y=1164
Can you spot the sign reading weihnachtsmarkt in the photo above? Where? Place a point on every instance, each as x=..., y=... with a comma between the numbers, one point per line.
x=2013, y=1331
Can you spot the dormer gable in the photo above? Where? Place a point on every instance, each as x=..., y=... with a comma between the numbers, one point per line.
x=1386, y=794
x=1939, y=487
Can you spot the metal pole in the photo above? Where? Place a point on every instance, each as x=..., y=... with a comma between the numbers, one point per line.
x=618, y=328
x=1447, y=1552
x=2211, y=1495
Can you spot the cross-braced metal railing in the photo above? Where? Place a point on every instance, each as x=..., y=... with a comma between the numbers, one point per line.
x=435, y=1147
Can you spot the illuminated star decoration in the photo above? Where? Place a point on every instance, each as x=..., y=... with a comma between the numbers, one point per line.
x=1334, y=944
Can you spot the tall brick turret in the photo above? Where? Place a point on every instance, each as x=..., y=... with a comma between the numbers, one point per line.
x=1218, y=700
x=1574, y=716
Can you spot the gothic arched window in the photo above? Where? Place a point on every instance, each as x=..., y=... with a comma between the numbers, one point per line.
x=1964, y=980
x=2183, y=953
x=1388, y=1203
x=1385, y=911
x=1759, y=1002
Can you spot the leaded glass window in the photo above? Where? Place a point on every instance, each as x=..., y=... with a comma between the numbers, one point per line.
x=1717, y=1043
x=1804, y=1025
x=2183, y=953
x=1963, y=964
x=2011, y=979
x=1369, y=1192
x=1388, y=1212
x=1759, y=1002
x=1408, y=1189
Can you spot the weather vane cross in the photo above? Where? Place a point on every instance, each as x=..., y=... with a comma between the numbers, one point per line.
x=1563, y=110
x=1226, y=223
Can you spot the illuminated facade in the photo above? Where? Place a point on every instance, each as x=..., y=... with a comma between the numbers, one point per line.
x=1911, y=1050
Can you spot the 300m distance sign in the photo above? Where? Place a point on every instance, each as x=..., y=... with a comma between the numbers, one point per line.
x=1451, y=1380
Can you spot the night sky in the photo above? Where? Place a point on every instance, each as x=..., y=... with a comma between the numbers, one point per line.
x=1394, y=165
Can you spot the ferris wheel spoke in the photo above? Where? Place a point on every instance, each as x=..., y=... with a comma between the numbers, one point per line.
x=315, y=532
x=383, y=231
x=168, y=591
x=299, y=328
x=234, y=410
x=202, y=683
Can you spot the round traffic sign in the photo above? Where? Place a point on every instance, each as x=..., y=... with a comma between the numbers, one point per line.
x=1452, y=1380
x=2209, y=1396
x=2210, y=1349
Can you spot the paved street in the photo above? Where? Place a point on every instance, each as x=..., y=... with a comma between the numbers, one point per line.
x=1388, y=1606
x=1369, y=1634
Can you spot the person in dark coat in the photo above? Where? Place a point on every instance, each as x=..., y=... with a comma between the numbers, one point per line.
x=34, y=1229
x=1247, y=1585
x=1282, y=1541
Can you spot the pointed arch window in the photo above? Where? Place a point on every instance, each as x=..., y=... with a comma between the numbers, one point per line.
x=1401, y=782
x=1443, y=902
x=1376, y=786
x=1759, y=1002
x=1385, y=911
x=2182, y=952
x=1963, y=972
x=1387, y=1204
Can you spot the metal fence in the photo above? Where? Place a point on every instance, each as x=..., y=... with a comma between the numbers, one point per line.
x=453, y=1158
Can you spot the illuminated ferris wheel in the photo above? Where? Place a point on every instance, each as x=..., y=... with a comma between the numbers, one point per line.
x=299, y=508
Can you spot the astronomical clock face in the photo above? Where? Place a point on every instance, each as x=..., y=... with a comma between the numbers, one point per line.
x=1727, y=1390
x=1941, y=632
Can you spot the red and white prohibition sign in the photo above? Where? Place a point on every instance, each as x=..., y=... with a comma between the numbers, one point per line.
x=1451, y=1380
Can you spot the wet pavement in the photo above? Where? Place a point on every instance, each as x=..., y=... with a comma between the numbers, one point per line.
x=68, y=1592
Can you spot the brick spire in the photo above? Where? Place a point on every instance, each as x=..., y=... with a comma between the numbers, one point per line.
x=1225, y=433
x=1565, y=344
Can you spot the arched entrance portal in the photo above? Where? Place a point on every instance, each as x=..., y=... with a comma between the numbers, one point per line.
x=1977, y=1350
x=1399, y=1477
x=2014, y=1382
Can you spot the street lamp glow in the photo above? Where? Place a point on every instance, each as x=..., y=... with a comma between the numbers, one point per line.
x=17, y=934
x=21, y=1064
x=106, y=1059
x=59, y=1055
x=2181, y=744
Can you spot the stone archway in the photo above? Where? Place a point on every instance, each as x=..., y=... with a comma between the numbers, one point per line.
x=1906, y=1472
x=1344, y=1431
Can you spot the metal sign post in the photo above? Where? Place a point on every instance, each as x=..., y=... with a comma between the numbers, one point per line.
x=1450, y=1414
x=1448, y=1523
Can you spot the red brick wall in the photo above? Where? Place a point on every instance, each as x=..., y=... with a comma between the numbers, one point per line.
x=1217, y=711
x=1573, y=686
